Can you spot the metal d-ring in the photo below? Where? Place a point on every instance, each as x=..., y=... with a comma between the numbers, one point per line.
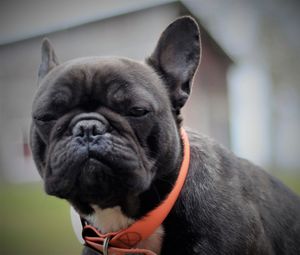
x=105, y=245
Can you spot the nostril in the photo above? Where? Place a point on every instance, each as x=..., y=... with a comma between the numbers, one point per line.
x=98, y=128
x=94, y=130
x=81, y=131
x=78, y=130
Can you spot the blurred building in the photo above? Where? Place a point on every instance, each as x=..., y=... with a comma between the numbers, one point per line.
x=119, y=28
x=263, y=38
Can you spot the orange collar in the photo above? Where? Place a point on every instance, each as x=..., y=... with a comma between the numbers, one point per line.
x=124, y=241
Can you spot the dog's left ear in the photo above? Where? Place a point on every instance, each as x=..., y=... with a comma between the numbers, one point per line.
x=49, y=59
x=176, y=58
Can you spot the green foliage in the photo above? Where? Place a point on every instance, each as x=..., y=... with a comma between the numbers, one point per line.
x=292, y=180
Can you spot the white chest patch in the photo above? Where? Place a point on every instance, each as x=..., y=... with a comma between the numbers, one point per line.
x=113, y=220
x=108, y=220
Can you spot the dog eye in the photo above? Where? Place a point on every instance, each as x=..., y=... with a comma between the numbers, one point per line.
x=45, y=117
x=138, y=112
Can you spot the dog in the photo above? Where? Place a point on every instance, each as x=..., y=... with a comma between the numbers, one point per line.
x=106, y=136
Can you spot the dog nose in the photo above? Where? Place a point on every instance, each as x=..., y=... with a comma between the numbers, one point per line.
x=89, y=129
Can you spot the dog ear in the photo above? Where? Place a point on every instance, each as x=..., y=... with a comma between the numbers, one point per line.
x=49, y=59
x=176, y=58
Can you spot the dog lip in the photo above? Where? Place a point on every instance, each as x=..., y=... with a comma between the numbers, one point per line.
x=95, y=159
x=93, y=154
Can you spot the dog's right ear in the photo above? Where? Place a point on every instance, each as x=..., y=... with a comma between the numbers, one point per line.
x=176, y=58
x=49, y=59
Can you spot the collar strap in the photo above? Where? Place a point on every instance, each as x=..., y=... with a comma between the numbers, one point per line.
x=124, y=241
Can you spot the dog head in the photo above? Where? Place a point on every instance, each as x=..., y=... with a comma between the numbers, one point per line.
x=105, y=129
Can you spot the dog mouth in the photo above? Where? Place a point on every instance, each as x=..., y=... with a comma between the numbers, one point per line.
x=81, y=174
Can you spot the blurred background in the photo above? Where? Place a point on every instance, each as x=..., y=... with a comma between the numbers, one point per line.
x=246, y=93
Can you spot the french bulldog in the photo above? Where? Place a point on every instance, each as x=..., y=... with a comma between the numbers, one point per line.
x=105, y=136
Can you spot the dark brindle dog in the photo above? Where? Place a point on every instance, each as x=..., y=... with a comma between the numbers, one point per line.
x=106, y=137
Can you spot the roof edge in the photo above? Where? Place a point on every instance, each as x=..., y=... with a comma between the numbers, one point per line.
x=83, y=21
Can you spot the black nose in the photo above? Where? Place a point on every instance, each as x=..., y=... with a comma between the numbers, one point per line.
x=89, y=129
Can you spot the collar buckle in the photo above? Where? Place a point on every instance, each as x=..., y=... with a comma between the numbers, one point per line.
x=105, y=245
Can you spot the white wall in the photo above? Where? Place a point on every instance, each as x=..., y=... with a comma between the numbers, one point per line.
x=250, y=99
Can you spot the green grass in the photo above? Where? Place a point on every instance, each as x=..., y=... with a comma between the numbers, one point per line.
x=33, y=223
x=292, y=180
